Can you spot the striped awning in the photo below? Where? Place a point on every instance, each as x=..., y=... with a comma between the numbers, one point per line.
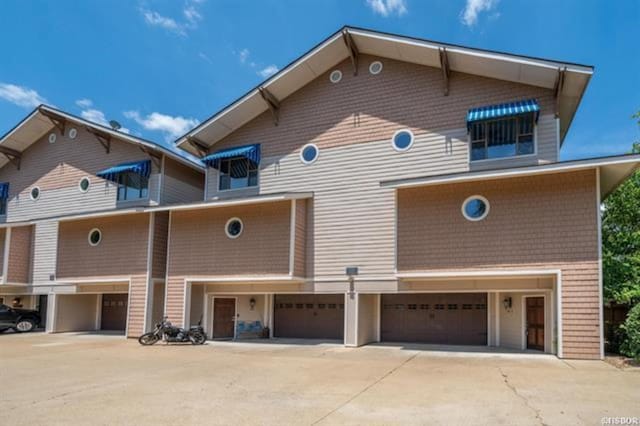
x=503, y=110
x=142, y=168
x=249, y=152
x=4, y=190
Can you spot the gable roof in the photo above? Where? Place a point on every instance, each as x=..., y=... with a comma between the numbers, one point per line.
x=39, y=122
x=572, y=78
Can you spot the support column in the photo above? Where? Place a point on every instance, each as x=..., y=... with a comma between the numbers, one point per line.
x=51, y=313
x=351, y=319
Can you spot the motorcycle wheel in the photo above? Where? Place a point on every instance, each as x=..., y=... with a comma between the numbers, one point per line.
x=197, y=338
x=148, y=339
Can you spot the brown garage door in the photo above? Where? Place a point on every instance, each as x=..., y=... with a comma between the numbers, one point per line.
x=309, y=316
x=449, y=318
x=114, y=312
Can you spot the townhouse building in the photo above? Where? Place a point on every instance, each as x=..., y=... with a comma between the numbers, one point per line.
x=380, y=188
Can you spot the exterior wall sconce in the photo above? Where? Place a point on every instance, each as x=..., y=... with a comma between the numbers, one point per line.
x=507, y=302
x=252, y=303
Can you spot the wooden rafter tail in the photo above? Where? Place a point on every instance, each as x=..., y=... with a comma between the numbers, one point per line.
x=57, y=120
x=12, y=155
x=272, y=102
x=155, y=157
x=446, y=71
x=558, y=87
x=103, y=138
x=353, y=50
x=200, y=146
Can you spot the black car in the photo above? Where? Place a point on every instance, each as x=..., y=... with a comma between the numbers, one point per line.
x=21, y=320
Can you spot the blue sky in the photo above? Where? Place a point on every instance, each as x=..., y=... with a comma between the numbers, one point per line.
x=159, y=67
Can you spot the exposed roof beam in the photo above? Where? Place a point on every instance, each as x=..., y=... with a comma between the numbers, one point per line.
x=352, y=48
x=200, y=146
x=102, y=137
x=12, y=155
x=446, y=71
x=558, y=88
x=155, y=157
x=272, y=103
x=56, y=119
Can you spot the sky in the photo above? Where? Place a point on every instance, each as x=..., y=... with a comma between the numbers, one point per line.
x=160, y=67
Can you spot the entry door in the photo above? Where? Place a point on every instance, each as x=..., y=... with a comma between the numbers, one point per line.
x=114, y=312
x=535, y=323
x=224, y=315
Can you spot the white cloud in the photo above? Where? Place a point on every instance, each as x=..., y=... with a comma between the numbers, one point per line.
x=268, y=71
x=388, y=7
x=243, y=55
x=172, y=127
x=84, y=103
x=469, y=15
x=98, y=117
x=20, y=95
x=190, y=13
x=155, y=19
x=204, y=57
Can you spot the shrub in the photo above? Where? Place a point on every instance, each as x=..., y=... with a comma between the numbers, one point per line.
x=631, y=345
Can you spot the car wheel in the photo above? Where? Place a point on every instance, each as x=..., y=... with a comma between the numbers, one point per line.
x=25, y=325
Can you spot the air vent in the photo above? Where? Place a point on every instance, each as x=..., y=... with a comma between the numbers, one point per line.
x=52, y=137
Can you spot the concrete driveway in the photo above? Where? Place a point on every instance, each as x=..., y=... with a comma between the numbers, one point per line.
x=93, y=379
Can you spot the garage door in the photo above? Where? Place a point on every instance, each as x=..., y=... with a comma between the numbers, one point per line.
x=450, y=318
x=309, y=316
x=114, y=312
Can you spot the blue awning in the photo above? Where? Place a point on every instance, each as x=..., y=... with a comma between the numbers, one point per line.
x=4, y=190
x=250, y=152
x=142, y=168
x=503, y=110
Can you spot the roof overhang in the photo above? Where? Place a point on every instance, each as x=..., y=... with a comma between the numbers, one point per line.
x=45, y=118
x=267, y=198
x=613, y=171
x=572, y=79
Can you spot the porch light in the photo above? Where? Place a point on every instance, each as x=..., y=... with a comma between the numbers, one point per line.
x=507, y=302
x=252, y=303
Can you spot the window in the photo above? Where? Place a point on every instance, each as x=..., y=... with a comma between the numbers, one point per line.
x=132, y=186
x=84, y=184
x=95, y=236
x=3, y=206
x=35, y=193
x=506, y=137
x=475, y=208
x=375, y=67
x=402, y=140
x=236, y=173
x=309, y=153
x=335, y=76
x=233, y=228
x=73, y=133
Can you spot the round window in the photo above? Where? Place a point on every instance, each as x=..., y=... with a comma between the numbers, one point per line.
x=335, y=76
x=35, y=193
x=309, y=153
x=402, y=140
x=52, y=137
x=375, y=67
x=73, y=133
x=233, y=228
x=84, y=184
x=95, y=236
x=475, y=208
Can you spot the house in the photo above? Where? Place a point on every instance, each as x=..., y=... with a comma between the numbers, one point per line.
x=76, y=241
x=378, y=188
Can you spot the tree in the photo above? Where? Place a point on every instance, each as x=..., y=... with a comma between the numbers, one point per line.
x=621, y=240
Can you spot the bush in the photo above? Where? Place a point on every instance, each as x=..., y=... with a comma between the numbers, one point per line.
x=631, y=345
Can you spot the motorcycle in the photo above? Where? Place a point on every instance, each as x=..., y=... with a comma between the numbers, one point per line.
x=164, y=330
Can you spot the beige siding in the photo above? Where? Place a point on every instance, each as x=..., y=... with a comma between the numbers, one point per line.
x=45, y=251
x=3, y=236
x=161, y=229
x=300, y=258
x=137, y=301
x=181, y=184
x=57, y=169
x=157, y=304
x=20, y=255
x=122, y=251
x=547, y=221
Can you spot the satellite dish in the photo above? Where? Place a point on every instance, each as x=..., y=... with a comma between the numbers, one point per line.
x=115, y=125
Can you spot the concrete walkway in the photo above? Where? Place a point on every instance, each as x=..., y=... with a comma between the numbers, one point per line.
x=95, y=379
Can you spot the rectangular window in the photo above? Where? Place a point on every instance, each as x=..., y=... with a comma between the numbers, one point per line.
x=3, y=206
x=236, y=173
x=506, y=137
x=132, y=186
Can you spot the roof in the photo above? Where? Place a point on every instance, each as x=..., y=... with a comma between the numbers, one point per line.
x=37, y=124
x=613, y=171
x=333, y=50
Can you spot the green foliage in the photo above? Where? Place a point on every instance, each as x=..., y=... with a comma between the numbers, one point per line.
x=631, y=345
x=621, y=240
